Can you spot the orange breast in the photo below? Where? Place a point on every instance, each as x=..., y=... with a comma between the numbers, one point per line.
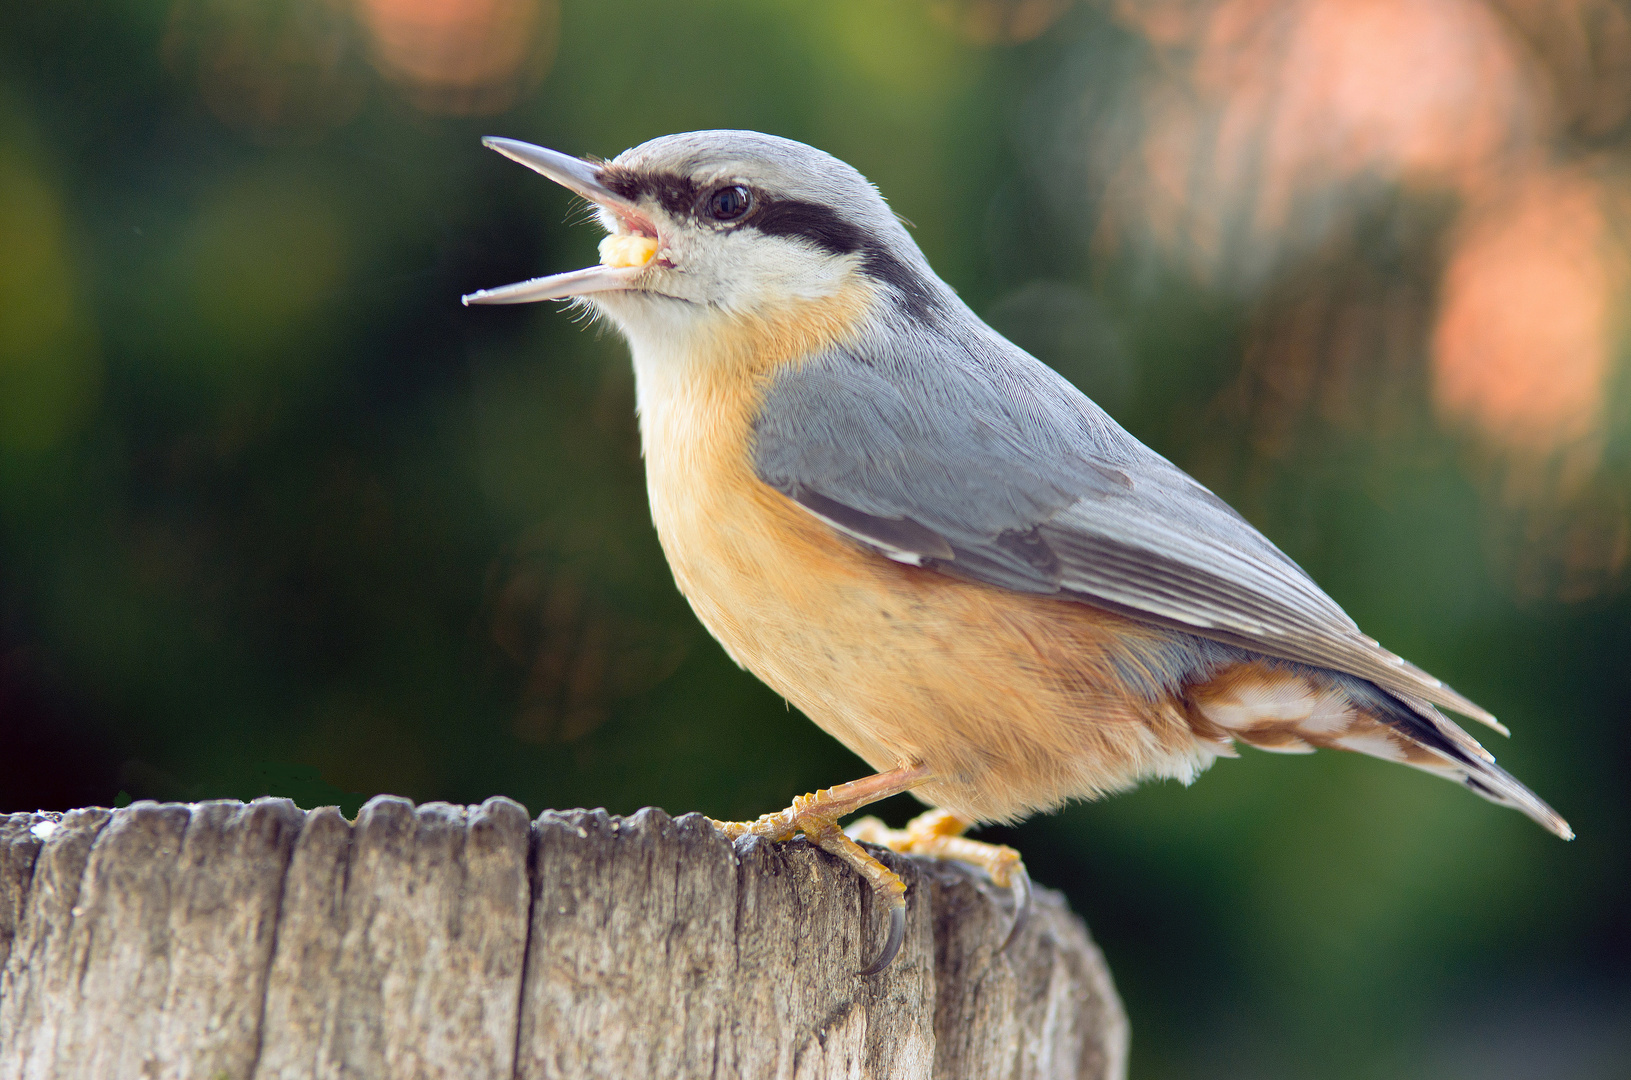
x=1013, y=701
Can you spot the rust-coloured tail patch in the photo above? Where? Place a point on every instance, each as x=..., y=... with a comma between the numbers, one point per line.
x=1293, y=709
x=1297, y=710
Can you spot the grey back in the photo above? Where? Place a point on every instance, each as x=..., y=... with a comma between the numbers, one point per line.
x=944, y=444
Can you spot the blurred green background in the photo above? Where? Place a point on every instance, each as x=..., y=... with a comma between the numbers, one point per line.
x=278, y=515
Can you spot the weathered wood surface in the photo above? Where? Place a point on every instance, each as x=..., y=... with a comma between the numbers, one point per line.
x=225, y=941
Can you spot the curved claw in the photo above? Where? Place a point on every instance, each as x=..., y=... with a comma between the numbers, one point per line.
x=1022, y=905
x=891, y=945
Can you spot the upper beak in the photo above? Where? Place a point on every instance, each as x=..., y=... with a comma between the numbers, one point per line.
x=581, y=178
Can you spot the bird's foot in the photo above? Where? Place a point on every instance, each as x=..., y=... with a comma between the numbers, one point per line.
x=938, y=834
x=816, y=816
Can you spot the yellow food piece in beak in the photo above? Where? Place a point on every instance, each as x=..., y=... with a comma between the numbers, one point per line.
x=626, y=249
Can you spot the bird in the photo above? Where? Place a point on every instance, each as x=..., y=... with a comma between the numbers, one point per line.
x=934, y=545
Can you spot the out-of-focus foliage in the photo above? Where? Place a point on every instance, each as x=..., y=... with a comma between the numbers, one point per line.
x=276, y=514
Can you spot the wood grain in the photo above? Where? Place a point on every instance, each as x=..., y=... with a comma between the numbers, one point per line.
x=225, y=941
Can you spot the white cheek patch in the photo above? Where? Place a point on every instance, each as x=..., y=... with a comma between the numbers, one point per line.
x=719, y=276
x=750, y=270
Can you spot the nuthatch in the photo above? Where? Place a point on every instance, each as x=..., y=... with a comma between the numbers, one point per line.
x=930, y=542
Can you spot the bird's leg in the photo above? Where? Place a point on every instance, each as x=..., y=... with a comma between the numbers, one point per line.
x=816, y=816
x=938, y=834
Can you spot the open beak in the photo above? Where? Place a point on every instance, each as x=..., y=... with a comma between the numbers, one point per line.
x=581, y=178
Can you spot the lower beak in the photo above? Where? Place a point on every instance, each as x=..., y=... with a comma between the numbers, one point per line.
x=581, y=178
x=590, y=279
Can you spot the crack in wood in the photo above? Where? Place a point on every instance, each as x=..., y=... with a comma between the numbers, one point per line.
x=261, y=942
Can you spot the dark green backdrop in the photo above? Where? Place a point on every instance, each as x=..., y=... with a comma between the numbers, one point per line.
x=278, y=515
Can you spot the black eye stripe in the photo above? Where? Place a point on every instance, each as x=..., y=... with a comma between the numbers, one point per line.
x=679, y=195
x=814, y=223
x=832, y=232
x=820, y=225
x=673, y=192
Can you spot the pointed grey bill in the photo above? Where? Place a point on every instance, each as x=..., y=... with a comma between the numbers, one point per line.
x=590, y=279
x=581, y=178
x=575, y=174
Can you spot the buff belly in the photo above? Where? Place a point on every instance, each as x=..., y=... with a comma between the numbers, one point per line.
x=1013, y=701
x=1014, y=704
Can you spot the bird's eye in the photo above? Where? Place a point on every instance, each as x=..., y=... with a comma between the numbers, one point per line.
x=729, y=203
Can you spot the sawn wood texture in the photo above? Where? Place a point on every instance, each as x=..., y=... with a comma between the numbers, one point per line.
x=232, y=941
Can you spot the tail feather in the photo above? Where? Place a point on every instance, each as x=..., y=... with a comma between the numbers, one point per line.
x=1457, y=756
x=1292, y=708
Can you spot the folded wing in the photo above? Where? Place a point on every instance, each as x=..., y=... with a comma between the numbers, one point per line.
x=974, y=458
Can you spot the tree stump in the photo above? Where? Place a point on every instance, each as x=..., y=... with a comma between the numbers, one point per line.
x=232, y=941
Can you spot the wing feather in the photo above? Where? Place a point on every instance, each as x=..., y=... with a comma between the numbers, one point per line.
x=970, y=456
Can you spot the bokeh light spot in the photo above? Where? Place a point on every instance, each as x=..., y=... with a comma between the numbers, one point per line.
x=1522, y=342
x=994, y=22
x=1274, y=120
x=461, y=57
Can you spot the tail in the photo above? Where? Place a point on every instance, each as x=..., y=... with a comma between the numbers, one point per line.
x=1291, y=708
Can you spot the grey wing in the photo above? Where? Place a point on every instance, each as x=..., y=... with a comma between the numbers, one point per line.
x=968, y=455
